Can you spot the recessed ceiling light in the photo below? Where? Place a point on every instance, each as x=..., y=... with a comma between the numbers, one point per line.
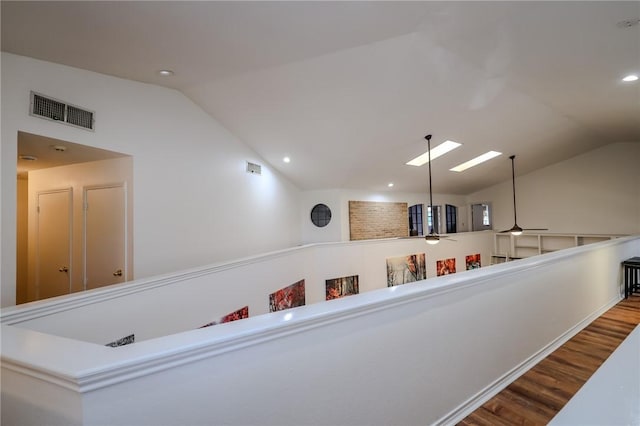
x=59, y=148
x=28, y=157
x=165, y=73
x=286, y=159
x=436, y=152
x=630, y=77
x=390, y=185
x=475, y=161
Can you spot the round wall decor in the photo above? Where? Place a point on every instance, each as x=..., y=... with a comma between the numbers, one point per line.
x=320, y=215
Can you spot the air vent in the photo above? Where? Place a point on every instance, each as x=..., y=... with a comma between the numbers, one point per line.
x=254, y=168
x=56, y=110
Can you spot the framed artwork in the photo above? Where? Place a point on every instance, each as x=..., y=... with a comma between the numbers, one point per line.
x=336, y=288
x=406, y=269
x=446, y=266
x=241, y=313
x=287, y=297
x=472, y=261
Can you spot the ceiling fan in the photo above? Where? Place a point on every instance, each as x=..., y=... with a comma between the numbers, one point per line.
x=515, y=229
x=432, y=237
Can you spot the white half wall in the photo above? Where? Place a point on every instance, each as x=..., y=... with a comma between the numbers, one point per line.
x=593, y=193
x=141, y=307
x=422, y=353
x=193, y=203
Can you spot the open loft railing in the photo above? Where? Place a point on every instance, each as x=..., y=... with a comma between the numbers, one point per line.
x=425, y=352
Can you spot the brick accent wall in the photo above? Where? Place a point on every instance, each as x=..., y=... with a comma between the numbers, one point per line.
x=369, y=219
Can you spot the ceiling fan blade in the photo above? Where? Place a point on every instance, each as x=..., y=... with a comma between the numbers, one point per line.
x=524, y=229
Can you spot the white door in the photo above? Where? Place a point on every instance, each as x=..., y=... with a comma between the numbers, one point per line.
x=53, y=243
x=105, y=236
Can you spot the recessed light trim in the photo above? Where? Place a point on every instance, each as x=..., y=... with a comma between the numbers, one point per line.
x=475, y=161
x=165, y=73
x=28, y=157
x=629, y=78
x=436, y=152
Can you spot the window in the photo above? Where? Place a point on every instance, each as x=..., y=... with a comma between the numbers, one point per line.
x=433, y=220
x=452, y=215
x=320, y=215
x=415, y=220
x=485, y=215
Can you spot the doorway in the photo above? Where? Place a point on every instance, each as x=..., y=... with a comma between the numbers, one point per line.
x=451, y=213
x=53, y=243
x=481, y=217
x=105, y=235
x=46, y=165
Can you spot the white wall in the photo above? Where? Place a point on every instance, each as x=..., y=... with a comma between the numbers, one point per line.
x=193, y=201
x=329, y=233
x=338, y=202
x=22, y=239
x=595, y=193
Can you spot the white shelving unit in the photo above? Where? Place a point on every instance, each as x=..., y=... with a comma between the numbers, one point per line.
x=508, y=247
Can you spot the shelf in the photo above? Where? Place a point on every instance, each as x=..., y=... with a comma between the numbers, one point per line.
x=527, y=245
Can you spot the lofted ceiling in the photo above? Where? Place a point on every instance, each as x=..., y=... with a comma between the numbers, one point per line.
x=348, y=90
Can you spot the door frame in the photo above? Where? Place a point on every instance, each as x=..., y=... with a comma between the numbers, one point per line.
x=488, y=203
x=68, y=190
x=86, y=188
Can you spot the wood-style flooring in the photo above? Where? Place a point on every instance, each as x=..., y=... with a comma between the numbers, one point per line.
x=537, y=396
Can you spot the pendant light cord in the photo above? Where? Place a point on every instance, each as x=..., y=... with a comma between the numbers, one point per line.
x=428, y=138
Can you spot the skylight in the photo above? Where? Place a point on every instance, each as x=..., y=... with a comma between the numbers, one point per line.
x=436, y=152
x=474, y=162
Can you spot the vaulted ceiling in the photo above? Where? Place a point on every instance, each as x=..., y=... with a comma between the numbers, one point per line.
x=348, y=90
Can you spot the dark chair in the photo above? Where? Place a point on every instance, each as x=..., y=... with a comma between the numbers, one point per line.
x=631, y=276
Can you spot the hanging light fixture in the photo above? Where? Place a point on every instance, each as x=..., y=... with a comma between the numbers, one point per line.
x=431, y=238
x=515, y=229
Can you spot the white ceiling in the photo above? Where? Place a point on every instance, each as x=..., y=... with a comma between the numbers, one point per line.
x=348, y=90
x=50, y=152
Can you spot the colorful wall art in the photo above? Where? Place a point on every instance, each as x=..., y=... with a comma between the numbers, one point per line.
x=233, y=316
x=406, y=269
x=446, y=266
x=473, y=261
x=340, y=287
x=287, y=297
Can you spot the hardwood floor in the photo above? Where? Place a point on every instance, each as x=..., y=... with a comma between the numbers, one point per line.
x=537, y=396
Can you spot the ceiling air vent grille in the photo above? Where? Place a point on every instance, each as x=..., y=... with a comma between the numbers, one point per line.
x=53, y=109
